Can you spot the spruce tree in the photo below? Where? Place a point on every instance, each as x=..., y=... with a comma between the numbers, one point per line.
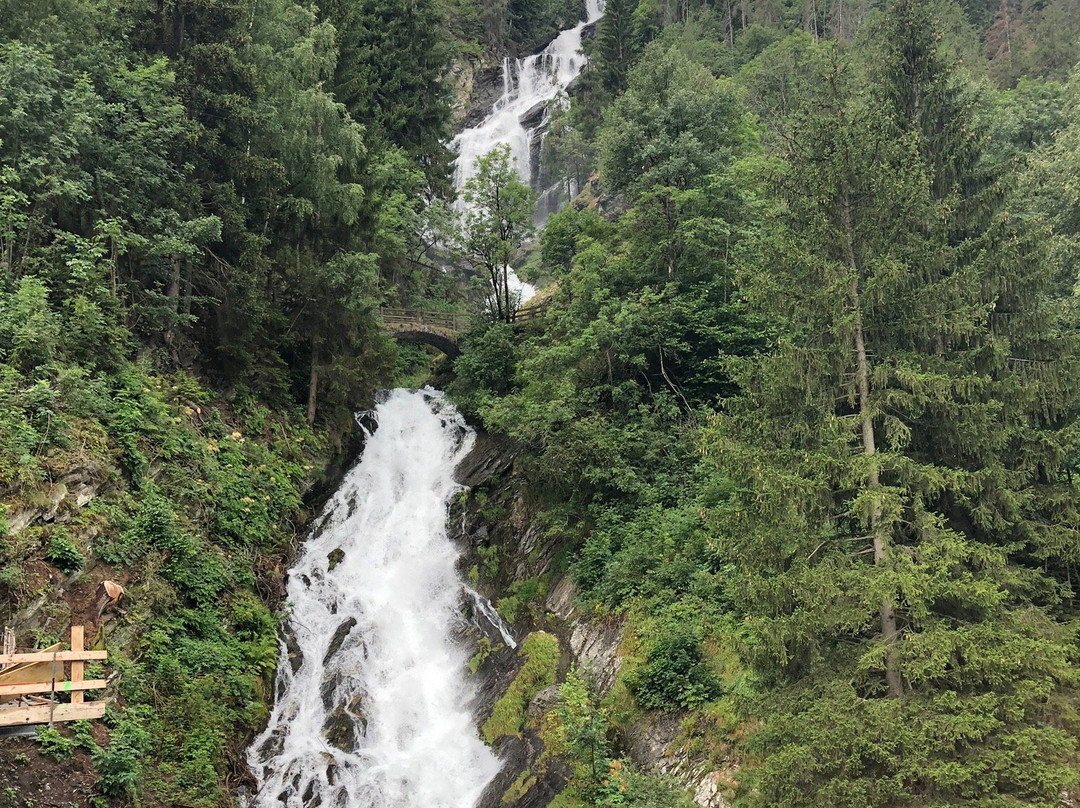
x=616, y=46
x=898, y=499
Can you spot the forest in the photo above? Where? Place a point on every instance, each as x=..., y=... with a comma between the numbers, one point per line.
x=803, y=407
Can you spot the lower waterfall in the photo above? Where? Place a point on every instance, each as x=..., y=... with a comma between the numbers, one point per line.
x=371, y=697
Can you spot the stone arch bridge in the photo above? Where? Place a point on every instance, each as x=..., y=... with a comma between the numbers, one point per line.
x=442, y=330
x=439, y=329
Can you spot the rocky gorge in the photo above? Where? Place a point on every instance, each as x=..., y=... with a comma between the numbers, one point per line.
x=521, y=565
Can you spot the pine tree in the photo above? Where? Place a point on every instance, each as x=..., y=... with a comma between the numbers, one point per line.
x=616, y=46
x=902, y=511
x=390, y=75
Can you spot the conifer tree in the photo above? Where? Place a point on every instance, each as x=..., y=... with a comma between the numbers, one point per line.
x=390, y=75
x=616, y=45
x=903, y=515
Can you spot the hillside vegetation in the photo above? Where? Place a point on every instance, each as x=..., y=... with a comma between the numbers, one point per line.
x=803, y=407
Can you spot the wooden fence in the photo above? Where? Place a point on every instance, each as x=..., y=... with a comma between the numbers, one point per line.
x=26, y=679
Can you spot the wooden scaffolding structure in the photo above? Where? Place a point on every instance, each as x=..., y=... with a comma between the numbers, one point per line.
x=32, y=684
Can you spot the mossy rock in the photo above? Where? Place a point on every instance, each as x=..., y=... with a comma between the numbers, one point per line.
x=541, y=652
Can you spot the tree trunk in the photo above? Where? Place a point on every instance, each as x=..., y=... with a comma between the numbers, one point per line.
x=506, y=294
x=173, y=295
x=186, y=308
x=887, y=610
x=313, y=383
x=114, y=253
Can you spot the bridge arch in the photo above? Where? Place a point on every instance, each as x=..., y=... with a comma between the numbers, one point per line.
x=439, y=329
x=448, y=345
x=443, y=330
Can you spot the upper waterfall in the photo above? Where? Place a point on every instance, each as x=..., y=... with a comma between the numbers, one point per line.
x=527, y=83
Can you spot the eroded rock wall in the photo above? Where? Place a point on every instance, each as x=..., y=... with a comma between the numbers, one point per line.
x=507, y=552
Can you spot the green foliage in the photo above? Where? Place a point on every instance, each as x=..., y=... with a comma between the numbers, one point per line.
x=495, y=225
x=62, y=552
x=53, y=744
x=674, y=674
x=688, y=123
x=541, y=652
x=120, y=764
x=485, y=368
x=200, y=187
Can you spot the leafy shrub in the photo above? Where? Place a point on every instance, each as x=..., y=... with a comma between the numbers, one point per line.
x=29, y=330
x=12, y=576
x=154, y=526
x=120, y=763
x=62, y=552
x=485, y=368
x=54, y=744
x=674, y=675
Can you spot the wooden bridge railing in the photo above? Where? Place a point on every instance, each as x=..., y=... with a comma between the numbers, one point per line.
x=450, y=321
x=530, y=313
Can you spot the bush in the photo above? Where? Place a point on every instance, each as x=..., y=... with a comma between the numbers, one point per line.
x=62, y=553
x=54, y=744
x=674, y=675
x=120, y=763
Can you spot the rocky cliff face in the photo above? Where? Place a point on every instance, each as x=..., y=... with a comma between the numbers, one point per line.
x=513, y=561
x=477, y=84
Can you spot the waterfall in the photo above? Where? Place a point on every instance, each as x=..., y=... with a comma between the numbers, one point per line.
x=372, y=707
x=529, y=86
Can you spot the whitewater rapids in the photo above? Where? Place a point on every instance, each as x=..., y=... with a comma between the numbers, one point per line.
x=383, y=720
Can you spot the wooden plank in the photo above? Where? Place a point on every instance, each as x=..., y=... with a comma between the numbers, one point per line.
x=77, y=666
x=59, y=656
x=49, y=687
x=18, y=673
x=45, y=713
x=33, y=672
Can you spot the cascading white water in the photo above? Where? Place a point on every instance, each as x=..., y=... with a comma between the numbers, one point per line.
x=372, y=699
x=527, y=84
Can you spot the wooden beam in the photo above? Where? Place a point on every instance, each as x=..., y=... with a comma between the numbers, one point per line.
x=59, y=656
x=46, y=713
x=52, y=687
x=77, y=666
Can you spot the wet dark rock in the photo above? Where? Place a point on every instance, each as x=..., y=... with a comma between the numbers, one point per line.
x=347, y=724
x=335, y=557
x=490, y=455
x=309, y=793
x=540, y=787
x=534, y=116
x=296, y=656
x=368, y=420
x=273, y=745
x=543, y=702
x=338, y=639
x=487, y=88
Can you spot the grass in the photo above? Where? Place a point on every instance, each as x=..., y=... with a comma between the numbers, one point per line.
x=541, y=652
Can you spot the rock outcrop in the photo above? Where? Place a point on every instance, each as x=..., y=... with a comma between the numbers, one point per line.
x=505, y=550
